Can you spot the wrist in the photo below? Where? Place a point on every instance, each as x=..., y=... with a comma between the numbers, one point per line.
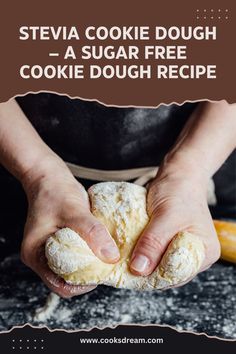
x=185, y=165
x=47, y=168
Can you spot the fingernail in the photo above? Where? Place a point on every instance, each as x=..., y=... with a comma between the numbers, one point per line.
x=110, y=253
x=140, y=263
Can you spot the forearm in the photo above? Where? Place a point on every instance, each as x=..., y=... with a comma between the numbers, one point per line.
x=207, y=140
x=21, y=148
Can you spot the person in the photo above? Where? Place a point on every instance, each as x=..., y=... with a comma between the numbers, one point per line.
x=176, y=196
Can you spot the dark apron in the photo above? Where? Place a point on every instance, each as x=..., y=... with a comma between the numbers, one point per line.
x=96, y=136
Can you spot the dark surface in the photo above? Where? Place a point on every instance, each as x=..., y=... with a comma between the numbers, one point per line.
x=207, y=304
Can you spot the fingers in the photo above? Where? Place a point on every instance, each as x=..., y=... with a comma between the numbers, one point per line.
x=33, y=255
x=152, y=245
x=155, y=239
x=213, y=251
x=97, y=237
x=36, y=260
x=57, y=284
x=210, y=240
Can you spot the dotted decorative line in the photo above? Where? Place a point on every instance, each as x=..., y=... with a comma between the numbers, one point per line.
x=27, y=348
x=27, y=341
x=212, y=10
x=220, y=14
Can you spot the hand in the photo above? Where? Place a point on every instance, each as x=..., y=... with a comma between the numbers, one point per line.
x=176, y=202
x=57, y=200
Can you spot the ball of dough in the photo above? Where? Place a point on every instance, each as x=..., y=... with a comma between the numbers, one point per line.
x=121, y=207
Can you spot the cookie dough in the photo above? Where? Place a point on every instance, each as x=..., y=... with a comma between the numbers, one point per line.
x=121, y=207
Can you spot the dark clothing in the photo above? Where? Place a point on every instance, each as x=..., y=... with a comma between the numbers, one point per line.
x=94, y=135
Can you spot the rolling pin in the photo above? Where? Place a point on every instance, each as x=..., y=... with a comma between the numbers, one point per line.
x=226, y=232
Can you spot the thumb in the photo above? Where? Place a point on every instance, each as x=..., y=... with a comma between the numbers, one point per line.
x=96, y=236
x=152, y=245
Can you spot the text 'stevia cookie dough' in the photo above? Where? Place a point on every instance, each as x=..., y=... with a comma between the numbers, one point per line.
x=121, y=207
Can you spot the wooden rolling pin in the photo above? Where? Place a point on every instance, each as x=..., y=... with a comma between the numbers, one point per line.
x=226, y=232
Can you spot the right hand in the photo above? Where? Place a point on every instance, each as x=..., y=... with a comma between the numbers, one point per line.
x=176, y=201
x=57, y=200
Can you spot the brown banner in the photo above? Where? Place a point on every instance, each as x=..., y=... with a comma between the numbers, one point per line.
x=128, y=91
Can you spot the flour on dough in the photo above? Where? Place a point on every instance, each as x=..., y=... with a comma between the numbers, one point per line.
x=121, y=207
